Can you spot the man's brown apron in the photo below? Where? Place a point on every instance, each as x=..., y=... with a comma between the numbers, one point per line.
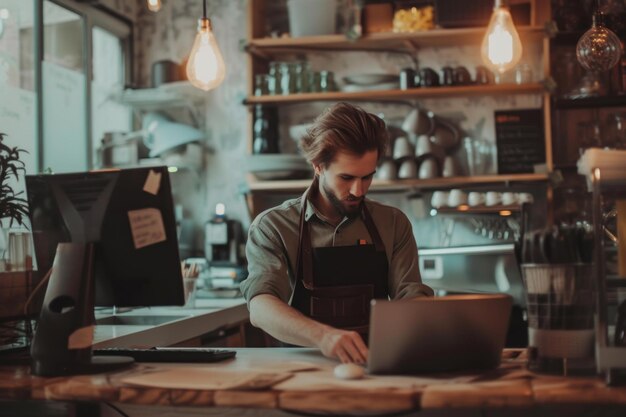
x=334, y=285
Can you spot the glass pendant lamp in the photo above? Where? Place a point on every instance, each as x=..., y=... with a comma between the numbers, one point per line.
x=205, y=67
x=501, y=47
x=599, y=49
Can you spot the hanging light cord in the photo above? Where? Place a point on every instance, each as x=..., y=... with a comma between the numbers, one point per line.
x=204, y=9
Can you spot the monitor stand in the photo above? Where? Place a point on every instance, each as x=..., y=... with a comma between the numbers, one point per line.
x=62, y=342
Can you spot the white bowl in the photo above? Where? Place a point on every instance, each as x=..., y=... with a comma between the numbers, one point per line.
x=278, y=166
x=297, y=132
x=370, y=79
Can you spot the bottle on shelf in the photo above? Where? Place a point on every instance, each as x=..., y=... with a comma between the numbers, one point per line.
x=265, y=130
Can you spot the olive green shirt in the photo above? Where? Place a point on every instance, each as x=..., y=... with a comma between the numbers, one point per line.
x=272, y=248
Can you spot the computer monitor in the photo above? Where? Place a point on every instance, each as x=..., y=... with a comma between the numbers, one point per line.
x=112, y=237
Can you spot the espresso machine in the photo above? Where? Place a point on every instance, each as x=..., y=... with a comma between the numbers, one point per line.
x=224, y=240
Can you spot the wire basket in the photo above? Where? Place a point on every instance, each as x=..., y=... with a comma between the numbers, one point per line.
x=561, y=306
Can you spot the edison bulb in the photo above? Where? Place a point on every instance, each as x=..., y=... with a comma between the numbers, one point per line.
x=154, y=5
x=205, y=67
x=501, y=48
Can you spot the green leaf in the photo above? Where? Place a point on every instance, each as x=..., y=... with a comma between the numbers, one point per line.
x=12, y=206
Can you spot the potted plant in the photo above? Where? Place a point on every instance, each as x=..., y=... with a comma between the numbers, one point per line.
x=14, y=285
x=12, y=206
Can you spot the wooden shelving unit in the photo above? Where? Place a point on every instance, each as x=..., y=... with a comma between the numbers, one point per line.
x=399, y=42
x=294, y=186
x=262, y=49
x=398, y=95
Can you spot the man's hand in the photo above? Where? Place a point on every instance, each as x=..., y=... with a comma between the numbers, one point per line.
x=343, y=344
x=289, y=325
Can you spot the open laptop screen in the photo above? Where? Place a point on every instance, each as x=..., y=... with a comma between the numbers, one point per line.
x=452, y=333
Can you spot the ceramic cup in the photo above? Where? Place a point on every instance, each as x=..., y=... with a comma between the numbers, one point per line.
x=387, y=170
x=449, y=167
x=407, y=78
x=462, y=76
x=524, y=198
x=418, y=122
x=457, y=198
x=428, y=77
x=483, y=75
x=493, y=198
x=423, y=145
x=429, y=168
x=402, y=148
x=447, y=75
x=408, y=169
x=439, y=199
x=475, y=198
x=509, y=198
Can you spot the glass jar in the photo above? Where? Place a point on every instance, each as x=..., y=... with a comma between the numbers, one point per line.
x=261, y=84
x=287, y=80
x=523, y=74
x=301, y=75
x=314, y=81
x=273, y=81
x=327, y=81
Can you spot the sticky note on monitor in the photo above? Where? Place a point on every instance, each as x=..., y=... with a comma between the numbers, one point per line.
x=153, y=182
x=146, y=226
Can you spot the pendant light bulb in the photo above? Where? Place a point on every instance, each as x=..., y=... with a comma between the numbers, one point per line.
x=599, y=49
x=501, y=48
x=154, y=5
x=205, y=67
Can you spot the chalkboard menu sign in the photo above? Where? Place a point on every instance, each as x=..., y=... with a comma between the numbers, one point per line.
x=519, y=140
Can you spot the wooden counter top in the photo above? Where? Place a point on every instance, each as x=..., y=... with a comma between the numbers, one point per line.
x=318, y=391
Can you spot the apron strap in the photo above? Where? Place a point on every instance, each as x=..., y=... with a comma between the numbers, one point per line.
x=372, y=229
x=304, y=259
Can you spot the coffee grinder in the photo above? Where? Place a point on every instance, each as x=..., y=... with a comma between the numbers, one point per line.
x=224, y=240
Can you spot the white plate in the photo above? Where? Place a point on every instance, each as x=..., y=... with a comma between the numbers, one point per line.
x=353, y=88
x=286, y=174
x=369, y=79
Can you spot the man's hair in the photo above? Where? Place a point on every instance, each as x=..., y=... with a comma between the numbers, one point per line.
x=343, y=128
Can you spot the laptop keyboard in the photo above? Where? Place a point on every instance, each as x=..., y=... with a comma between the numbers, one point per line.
x=165, y=354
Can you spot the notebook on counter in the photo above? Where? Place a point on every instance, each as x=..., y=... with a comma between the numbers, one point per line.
x=438, y=334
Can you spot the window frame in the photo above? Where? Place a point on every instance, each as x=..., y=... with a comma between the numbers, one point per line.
x=116, y=24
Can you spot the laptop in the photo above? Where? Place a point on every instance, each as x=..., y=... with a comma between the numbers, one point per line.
x=438, y=334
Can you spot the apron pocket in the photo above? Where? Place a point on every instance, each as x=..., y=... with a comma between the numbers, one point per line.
x=343, y=306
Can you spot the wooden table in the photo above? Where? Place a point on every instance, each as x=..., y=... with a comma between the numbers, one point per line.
x=508, y=390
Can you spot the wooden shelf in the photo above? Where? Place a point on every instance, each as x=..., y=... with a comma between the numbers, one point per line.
x=590, y=102
x=388, y=41
x=465, y=209
x=399, y=95
x=296, y=186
